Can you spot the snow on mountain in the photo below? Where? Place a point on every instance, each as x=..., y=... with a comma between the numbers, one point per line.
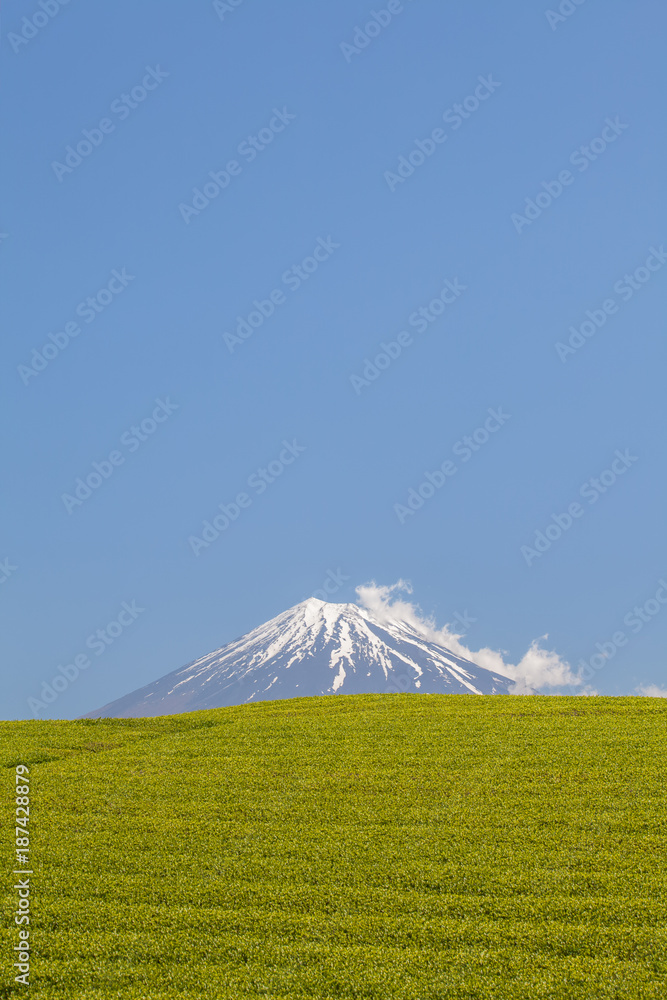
x=314, y=648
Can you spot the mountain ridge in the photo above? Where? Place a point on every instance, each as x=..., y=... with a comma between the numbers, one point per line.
x=313, y=648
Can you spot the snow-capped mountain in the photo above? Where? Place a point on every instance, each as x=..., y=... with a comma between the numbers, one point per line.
x=315, y=648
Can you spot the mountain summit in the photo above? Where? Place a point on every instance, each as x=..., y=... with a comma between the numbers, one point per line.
x=314, y=648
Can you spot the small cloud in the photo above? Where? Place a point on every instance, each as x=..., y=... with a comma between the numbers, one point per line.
x=651, y=691
x=538, y=668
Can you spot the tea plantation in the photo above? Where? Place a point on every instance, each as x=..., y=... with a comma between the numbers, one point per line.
x=384, y=846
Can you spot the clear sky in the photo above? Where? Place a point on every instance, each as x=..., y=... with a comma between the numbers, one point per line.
x=497, y=168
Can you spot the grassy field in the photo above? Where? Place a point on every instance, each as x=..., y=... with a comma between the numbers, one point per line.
x=407, y=846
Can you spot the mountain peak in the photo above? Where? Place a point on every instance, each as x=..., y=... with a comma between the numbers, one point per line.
x=315, y=602
x=314, y=648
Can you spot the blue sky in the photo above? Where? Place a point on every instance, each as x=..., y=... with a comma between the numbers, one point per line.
x=313, y=211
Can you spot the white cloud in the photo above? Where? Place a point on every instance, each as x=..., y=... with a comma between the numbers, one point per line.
x=538, y=668
x=651, y=691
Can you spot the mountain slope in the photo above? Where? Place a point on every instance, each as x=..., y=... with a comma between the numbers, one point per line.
x=314, y=648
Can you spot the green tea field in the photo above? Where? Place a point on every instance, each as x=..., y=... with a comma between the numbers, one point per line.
x=417, y=847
